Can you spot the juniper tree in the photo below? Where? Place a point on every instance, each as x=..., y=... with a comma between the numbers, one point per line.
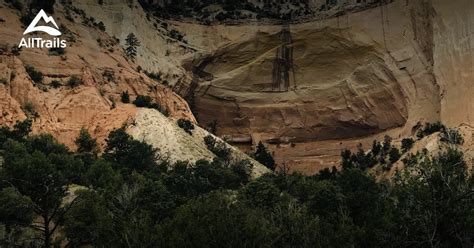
x=264, y=157
x=132, y=44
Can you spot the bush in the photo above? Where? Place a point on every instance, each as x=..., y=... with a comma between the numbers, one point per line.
x=186, y=125
x=125, y=97
x=56, y=51
x=212, y=127
x=109, y=75
x=55, y=84
x=142, y=101
x=30, y=110
x=35, y=75
x=16, y=50
x=153, y=75
x=217, y=147
x=452, y=136
x=85, y=143
x=429, y=129
x=394, y=155
x=146, y=102
x=74, y=81
x=17, y=4
x=100, y=26
x=26, y=19
x=46, y=5
x=407, y=144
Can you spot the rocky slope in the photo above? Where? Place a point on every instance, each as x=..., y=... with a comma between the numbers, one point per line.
x=96, y=61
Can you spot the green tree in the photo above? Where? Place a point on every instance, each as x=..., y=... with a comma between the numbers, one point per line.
x=132, y=43
x=376, y=148
x=394, y=155
x=21, y=129
x=142, y=101
x=16, y=211
x=125, y=97
x=432, y=200
x=212, y=127
x=407, y=144
x=89, y=221
x=35, y=75
x=186, y=125
x=36, y=176
x=264, y=157
x=127, y=154
x=451, y=136
x=217, y=220
x=219, y=148
x=85, y=143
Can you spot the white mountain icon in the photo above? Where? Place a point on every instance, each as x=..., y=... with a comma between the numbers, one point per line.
x=42, y=15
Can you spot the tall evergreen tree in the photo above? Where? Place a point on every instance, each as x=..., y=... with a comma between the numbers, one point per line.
x=264, y=157
x=132, y=44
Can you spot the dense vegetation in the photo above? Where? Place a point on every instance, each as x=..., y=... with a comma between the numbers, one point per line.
x=125, y=198
x=147, y=102
x=204, y=10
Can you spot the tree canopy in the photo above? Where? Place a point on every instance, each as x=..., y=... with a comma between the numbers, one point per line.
x=130, y=196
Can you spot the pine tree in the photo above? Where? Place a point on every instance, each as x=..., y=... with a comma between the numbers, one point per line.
x=264, y=157
x=85, y=143
x=132, y=44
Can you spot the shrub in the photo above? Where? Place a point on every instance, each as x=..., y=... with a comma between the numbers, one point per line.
x=85, y=143
x=125, y=97
x=35, y=75
x=394, y=155
x=452, y=136
x=58, y=51
x=376, y=148
x=217, y=147
x=212, y=127
x=186, y=125
x=55, y=84
x=17, y=4
x=100, y=26
x=109, y=75
x=142, y=101
x=26, y=19
x=74, y=81
x=30, y=110
x=387, y=143
x=16, y=50
x=407, y=144
x=429, y=129
x=153, y=75
x=160, y=108
x=46, y=5
x=146, y=102
x=3, y=81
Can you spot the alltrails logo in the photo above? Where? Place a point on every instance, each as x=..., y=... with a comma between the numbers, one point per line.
x=40, y=42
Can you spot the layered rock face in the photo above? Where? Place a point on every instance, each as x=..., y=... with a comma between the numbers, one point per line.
x=93, y=58
x=307, y=88
x=325, y=85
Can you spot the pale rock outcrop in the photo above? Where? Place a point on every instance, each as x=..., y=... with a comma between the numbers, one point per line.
x=175, y=144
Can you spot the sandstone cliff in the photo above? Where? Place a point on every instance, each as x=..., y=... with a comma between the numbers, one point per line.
x=308, y=88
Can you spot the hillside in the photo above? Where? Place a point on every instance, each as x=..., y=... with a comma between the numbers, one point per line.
x=82, y=86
